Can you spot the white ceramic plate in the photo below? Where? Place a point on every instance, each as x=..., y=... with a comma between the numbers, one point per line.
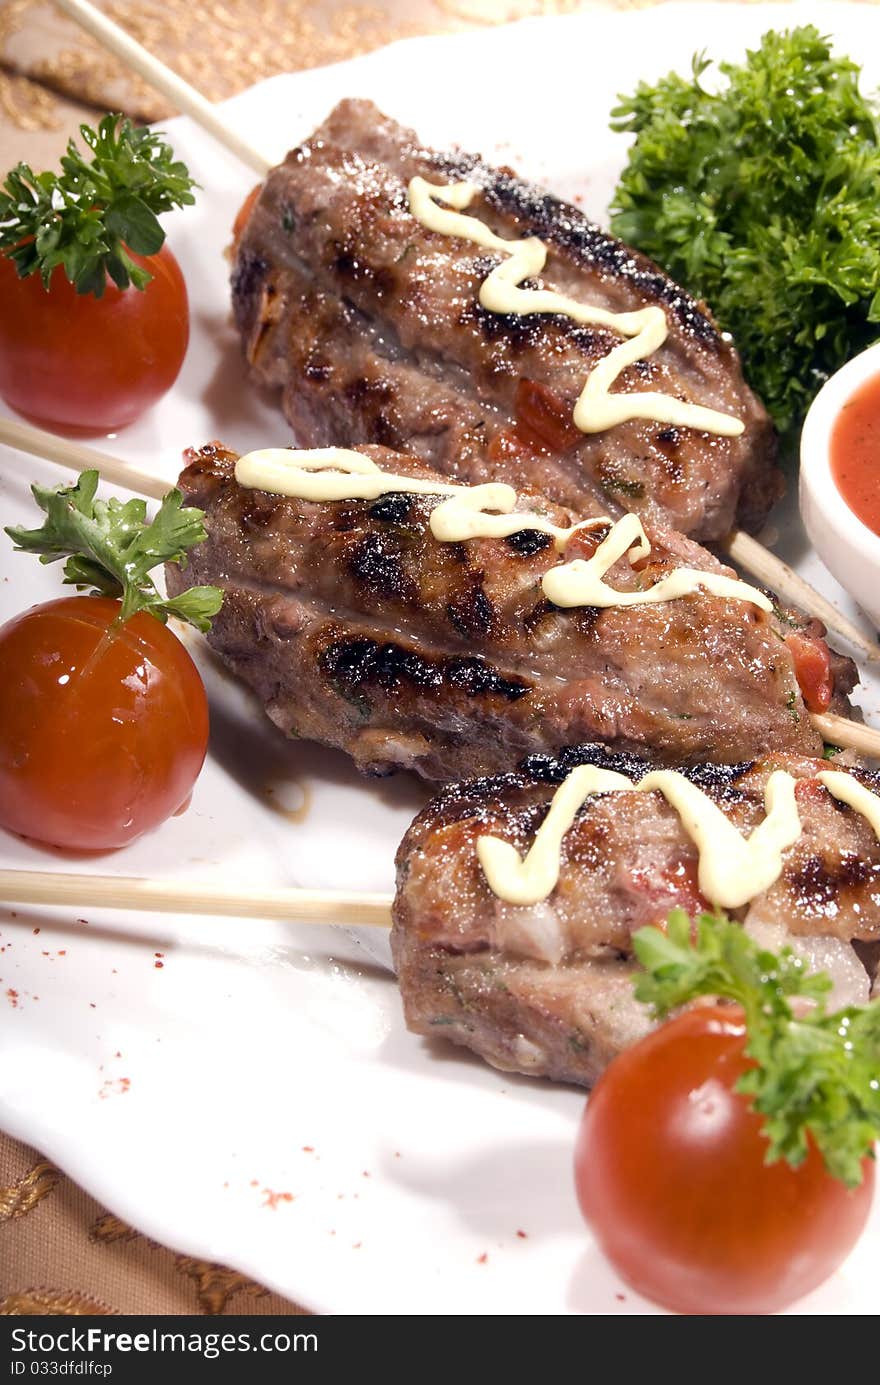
x=256, y=1100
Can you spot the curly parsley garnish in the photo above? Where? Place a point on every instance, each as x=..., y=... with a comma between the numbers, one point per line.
x=814, y=1073
x=110, y=547
x=90, y=215
x=763, y=199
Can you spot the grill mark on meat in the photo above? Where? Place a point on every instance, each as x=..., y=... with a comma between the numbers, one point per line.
x=564, y=226
x=528, y=541
x=248, y=273
x=818, y=881
x=392, y=509
x=490, y=671
x=717, y=780
x=383, y=633
x=383, y=300
x=669, y=437
x=472, y=613
x=375, y=565
x=353, y=664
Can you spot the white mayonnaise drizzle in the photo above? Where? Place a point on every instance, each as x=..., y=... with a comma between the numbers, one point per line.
x=325, y=473
x=579, y=583
x=849, y=791
x=596, y=408
x=529, y=881
x=732, y=870
x=335, y=473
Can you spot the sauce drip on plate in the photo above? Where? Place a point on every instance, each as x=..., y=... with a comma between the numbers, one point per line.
x=855, y=453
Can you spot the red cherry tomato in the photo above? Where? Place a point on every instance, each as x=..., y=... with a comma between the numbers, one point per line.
x=75, y=362
x=671, y=1177
x=103, y=730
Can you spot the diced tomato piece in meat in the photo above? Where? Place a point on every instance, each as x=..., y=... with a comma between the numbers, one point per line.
x=812, y=666
x=541, y=413
x=244, y=211
x=676, y=887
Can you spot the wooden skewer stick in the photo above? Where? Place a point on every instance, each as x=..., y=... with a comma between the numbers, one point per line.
x=752, y=556
x=181, y=95
x=78, y=457
x=185, y=897
x=774, y=573
x=851, y=735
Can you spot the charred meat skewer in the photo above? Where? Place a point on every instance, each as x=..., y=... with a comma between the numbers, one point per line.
x=546, y=989
x=357, y=628
x=370, y=325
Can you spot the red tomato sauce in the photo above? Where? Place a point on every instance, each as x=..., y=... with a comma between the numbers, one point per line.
x=855, y=453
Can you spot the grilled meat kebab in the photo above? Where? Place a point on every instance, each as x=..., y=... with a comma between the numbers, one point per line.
x=369, y=324
x=357, y=628
x=547, y=989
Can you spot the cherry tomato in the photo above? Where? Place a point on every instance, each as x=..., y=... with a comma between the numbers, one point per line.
x=103, y=729
x=671, y=1177
x=75, y=362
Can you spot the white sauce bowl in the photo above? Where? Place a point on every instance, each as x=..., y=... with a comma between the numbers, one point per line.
x=847, y=547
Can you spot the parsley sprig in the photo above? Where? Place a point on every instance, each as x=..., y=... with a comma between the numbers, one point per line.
x=762, y=199
x=814, y=1073
x=110, y=547
x=87, y=217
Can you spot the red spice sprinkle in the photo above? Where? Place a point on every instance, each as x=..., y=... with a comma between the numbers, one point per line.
x=84, y=922
x=63, y=952
x=483, y=1259
x=522, y=1235
x=255, y=1182
x=365, y=1174
x=272, y=1199
x=159, y=965
x=117, y=1054
x=621, y=1298
x=92, y=1005
x=158, y=954
x=44, y=954
x=308, y=1149
x=36, y=930
x=120, y=1086
x=12, y=997
x=357, y=1245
